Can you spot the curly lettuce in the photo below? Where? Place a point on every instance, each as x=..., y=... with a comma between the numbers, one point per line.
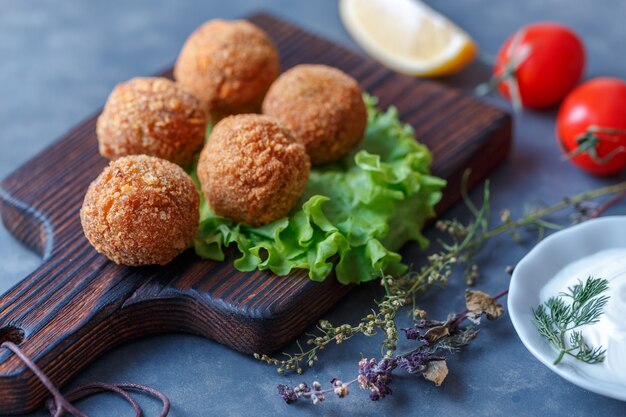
x=354, y=215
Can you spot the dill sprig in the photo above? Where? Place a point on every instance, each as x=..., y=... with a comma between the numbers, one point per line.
x=557, y=320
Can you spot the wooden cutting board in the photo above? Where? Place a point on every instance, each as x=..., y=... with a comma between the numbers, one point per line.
x=78, y=305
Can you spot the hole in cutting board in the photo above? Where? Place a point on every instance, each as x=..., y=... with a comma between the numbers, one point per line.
x=11, y=334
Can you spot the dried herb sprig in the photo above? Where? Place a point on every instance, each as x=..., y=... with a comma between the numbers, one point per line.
x=463, y=243
x=381, y=319
x=555, y=319
x=435, y=340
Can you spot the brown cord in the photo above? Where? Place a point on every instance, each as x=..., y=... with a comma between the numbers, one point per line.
x=59, y=405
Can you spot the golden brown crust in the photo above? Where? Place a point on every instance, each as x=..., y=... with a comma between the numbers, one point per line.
x=151, y=116
x=252, y=170
x=324, y=108
x=141, y=210
x=229, y=65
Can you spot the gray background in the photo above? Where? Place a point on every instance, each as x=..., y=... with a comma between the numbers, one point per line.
x=60, y=59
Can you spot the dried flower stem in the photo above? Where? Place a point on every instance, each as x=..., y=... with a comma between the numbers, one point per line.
x=608, y=204
x=434, y=339
x=566, y=203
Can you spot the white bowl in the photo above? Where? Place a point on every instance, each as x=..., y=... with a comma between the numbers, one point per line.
x=543, y=262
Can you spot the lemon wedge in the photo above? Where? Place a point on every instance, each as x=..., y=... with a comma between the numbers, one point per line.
x=408, y=36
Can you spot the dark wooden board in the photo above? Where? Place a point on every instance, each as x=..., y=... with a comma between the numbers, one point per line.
x=78, y=305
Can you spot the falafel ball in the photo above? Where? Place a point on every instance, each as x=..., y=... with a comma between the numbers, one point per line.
x=252, y=170
x=229, y=65
x=152, y=116
x=141, y=210
x=324, y=108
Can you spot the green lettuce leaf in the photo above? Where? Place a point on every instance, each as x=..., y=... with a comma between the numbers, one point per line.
x=354, y=215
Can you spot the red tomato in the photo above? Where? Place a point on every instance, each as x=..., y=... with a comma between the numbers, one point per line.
x=546, y=60
x=591, y=126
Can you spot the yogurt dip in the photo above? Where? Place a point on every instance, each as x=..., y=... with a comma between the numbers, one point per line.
x=610, y=331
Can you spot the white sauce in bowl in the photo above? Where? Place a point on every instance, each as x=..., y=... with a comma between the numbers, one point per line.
x=610, y=331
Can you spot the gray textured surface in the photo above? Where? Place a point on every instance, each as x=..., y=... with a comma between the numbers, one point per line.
x=58, y=62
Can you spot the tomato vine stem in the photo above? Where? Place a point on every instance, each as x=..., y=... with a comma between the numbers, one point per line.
x=589, y=140
x=517, y=56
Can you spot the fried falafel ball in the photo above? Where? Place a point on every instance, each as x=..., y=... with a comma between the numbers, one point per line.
x=324, y=108
x=252, y=170
x=229, y=65
x=152, y=116
x=141, y=210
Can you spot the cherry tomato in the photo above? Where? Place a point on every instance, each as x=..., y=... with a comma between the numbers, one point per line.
x=545, y=60
x=591, y=126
